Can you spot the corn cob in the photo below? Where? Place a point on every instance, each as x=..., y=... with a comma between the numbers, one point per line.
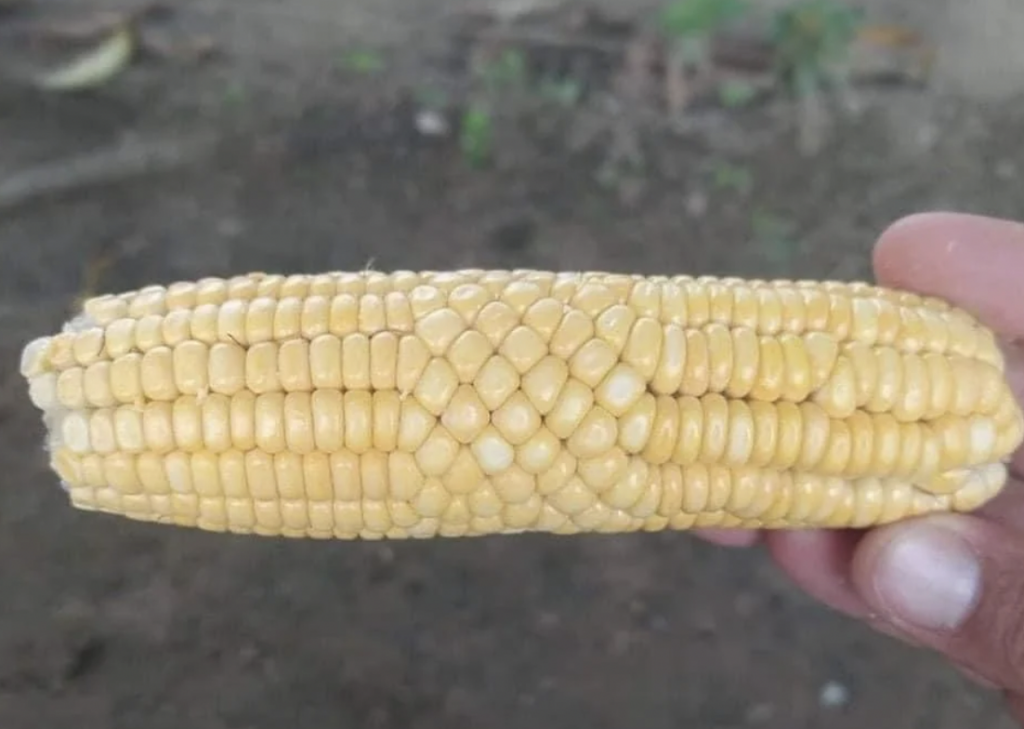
x=410, y=405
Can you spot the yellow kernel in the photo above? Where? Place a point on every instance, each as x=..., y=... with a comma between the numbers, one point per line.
x=596, y=433
x=293, y=365
x=288, y=318
x=359, y=421
x=187, y=421
x=325, y=366
x=315, y=319
x=96, y=383
x=268, y=422
x=355, y=362
x=343, y=318
x=437, y=452
x=298, y=422
x=439, y=329
x=517, y=419
x=493, y=453
x=157, y=374
x=191, y=368
x=383, y=361
x=592, y=362
x=523, y=348
x=466, y=415
x=387, y=410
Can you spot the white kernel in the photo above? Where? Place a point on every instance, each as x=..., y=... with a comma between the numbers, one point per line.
x=75, y=432
x=983, y=439
x=42, y=391
x=33, y=356
x=620, y=390
x=493, y=452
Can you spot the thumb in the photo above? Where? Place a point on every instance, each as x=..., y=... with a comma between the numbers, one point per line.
x=953, y=583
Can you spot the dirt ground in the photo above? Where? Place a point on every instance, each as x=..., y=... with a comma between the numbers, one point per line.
x=305, y=164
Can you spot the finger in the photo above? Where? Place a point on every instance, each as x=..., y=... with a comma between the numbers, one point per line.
x=1013, y=356
x=1013, y=359
x=1006, y=509
x=729, y=537
x=1015, y=706
x=952, y=583
x=819, y=562
x=973, y=262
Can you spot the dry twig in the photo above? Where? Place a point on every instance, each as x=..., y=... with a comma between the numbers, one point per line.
x=110, y=165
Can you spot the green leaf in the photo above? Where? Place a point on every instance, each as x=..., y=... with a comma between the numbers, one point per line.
x=563, y=92
x=735, y=93
x=475, y=135
x=508, y=70
x=812, y=40
x=682, y=18
x=364, y=61
x=732, y=177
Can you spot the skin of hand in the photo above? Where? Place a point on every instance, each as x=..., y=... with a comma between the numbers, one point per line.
x=949, y=583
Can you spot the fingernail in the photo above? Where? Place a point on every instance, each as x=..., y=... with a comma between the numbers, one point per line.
x=928, y=576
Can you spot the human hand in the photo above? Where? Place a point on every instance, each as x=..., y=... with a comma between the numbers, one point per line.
x=953, y=583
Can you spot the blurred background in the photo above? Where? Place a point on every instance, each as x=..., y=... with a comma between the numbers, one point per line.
x=143, y=142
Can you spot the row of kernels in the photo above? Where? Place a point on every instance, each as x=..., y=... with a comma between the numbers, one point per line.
x=911, y=386
x=684, y=429
x=267, y=518
x=353, y=483
x=344, y=482
x=257, y=475
x=239, y=322
x=965, y=441
x=810, y=290
x=517, y=286
x=346, y=494
x=714, y=429
x=216, y=291
x=1009, y=421
x=982, y=483
x=453, y=468
x=806, y=436
x=735, y=362
x=873, y=317
x=350, y=521
x=326, y=420
x=340, y=520
x=262, y=320
x=857, y=289
x=786, y=304
x=357, y=362
x=746, y=494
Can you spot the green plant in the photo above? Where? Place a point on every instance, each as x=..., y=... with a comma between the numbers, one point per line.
x=812, y=41
x=735, y=93
x=732, y=178
x=235, y=93
x=691, y=23
x=508, y=70
x=691, y=26
x=692, y=18
x=564, y=92
x=476, y=134
x=775, y=236
x=363, y=61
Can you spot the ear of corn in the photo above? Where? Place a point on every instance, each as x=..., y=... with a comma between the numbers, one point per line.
x=372, y=405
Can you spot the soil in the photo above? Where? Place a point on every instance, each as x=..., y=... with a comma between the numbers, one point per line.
x=304, y=164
